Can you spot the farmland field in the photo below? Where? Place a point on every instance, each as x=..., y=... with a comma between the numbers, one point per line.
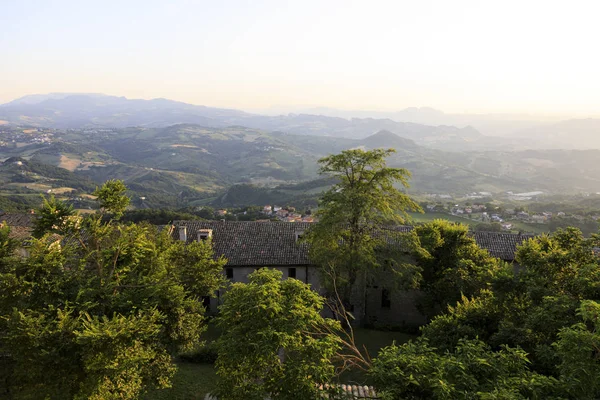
x=428, y=217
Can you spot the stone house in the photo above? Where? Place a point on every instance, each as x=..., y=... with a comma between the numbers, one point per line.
x=248, y=246
x=251, y=245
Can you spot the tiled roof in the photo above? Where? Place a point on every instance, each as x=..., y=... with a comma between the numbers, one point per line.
x=252, y=243
x=18, y=219
x=274, y=243
x=344, y=392
x=502, y=245
x=20, y=233
x=21, y=224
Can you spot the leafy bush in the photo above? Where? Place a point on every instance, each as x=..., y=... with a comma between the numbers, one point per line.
x=205, y=354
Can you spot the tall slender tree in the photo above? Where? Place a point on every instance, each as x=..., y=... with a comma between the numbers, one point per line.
x=352, y=214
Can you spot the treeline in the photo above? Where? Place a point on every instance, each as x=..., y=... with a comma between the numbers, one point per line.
x=15, y=203
x=251, y=195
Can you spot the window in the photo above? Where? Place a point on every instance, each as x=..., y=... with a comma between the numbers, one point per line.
x=204, y=234
x=229, y=273
x=385, y=299
x=291, y=272
x=206, y=302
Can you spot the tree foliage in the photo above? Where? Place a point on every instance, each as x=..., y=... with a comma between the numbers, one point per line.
x=536, y=310
x=578, y=348
x=352, y=214
x=472, y=370
x=111, y=197
x=275, y=343
x=54, y=216
x=99, y=312
x=451, y=265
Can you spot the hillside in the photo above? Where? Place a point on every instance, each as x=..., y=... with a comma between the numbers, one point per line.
x=185, y=164
x=76, y=111
x=383, y=139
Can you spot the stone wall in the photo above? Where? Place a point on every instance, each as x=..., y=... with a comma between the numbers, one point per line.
x=399, y=311
x=305, y=273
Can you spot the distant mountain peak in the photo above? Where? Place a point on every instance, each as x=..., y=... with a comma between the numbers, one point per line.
x=32, y=99
x=385, y=138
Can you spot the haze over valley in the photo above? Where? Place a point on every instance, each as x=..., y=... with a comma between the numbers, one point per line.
x=175, y=154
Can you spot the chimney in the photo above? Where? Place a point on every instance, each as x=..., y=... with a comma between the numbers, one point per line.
x=183, y=233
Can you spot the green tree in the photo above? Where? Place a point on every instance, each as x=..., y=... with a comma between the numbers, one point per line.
x=100, y=312
x=111, y=197
x=451, y=264
x=530, y=307
x=532, y=333
x=8, y=245
x=578, y=348
x=275, y=343
x=488, y=227
x=472, y=370
x=352, y=215
x=54, y=216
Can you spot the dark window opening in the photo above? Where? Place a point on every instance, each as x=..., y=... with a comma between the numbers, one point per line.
x=229, y=273
x=206, y=302
x=385, y=299
x=291, y=272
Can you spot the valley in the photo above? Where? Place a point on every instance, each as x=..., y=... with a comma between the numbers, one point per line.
x=179, y=155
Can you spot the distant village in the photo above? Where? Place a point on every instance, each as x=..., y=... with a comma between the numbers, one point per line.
x=506, y=216
x=11, y=137
x=267, y=213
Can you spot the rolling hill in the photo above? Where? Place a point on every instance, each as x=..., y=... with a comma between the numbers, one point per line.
x=77, y=111
x=186, y=164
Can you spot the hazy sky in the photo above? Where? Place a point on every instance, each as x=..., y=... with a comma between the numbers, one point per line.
x=458, y=56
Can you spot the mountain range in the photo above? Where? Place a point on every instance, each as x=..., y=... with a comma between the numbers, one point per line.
x=426, y=126
x=75, y=111
x=189, y=164
x=173, y=154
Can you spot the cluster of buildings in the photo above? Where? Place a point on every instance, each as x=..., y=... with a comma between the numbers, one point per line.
x=505, y=217
x=286, y=214
x=10, y=136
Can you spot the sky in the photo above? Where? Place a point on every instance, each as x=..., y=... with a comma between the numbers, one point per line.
x=526, y=56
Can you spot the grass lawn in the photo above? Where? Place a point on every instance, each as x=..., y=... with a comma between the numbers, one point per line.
x=191, y=382
x=374, y=340
x=532, y=228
